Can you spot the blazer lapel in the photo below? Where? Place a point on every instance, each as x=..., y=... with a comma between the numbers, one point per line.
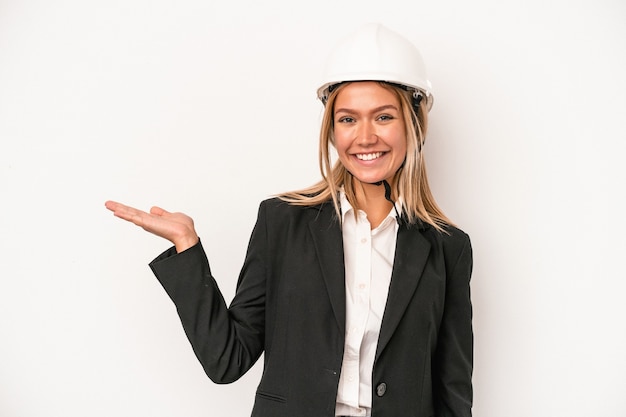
x=412, y=251
x=328, y=242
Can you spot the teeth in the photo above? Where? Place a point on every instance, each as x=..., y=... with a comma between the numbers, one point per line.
x=368, y=156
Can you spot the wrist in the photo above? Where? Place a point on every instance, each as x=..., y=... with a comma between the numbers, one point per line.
x=186, y=242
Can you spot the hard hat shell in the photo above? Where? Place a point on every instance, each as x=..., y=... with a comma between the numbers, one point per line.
x=375, y=53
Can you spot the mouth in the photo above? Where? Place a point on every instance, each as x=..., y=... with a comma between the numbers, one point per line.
x=368, y=156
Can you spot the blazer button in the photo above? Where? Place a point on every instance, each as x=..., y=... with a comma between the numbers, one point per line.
x=381, y=389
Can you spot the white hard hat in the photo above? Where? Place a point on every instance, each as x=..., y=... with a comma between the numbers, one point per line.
x=375, y=53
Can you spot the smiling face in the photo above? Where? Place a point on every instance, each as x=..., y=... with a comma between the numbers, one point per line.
x=369, y=131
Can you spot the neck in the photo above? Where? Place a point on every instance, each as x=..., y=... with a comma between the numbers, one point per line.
x=371, y=199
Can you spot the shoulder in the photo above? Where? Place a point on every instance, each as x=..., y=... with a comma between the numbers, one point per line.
x=280, y=206
x=277, y=210
x=276, y=203
x=451, y=241
x=457, y=249
x=456, y=235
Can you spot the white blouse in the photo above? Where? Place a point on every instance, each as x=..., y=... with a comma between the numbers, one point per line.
x=368, y=256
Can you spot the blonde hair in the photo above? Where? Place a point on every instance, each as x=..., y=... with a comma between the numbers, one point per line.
x=410, y=183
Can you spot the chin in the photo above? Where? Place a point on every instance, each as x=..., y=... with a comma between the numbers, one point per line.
x=370, y=180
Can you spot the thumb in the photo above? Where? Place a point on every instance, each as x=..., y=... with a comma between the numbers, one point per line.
x=158, y=211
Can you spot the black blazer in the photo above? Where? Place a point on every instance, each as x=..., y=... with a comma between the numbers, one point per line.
x=290, y=304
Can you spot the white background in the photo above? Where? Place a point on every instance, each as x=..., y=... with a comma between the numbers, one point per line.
x=209, y=107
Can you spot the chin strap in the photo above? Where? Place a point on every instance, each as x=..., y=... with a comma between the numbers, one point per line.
x=399, y=218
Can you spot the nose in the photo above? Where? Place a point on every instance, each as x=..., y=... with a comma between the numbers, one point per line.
x=366, y=134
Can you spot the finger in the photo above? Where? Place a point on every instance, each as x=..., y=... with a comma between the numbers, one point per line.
x=111, y=205
x=158, y=211
x=114, y=206
x=128, y=213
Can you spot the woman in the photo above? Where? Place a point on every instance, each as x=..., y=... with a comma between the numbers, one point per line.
x=357, y=288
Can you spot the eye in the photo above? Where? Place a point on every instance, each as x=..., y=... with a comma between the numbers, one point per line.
x=346, y=119
x=385, y=117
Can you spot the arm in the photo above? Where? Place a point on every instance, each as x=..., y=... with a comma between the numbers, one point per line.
x=227, y=342
x=453, y=364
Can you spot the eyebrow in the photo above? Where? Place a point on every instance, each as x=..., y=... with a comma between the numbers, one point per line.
x=375, y=110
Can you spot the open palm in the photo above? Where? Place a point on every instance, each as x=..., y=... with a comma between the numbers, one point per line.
x=178, y=228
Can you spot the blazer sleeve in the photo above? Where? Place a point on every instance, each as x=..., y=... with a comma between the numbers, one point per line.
x=454, y=354
x=226, y=341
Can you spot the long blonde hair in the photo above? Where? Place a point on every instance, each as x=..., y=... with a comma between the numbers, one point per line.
x=410, y=183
